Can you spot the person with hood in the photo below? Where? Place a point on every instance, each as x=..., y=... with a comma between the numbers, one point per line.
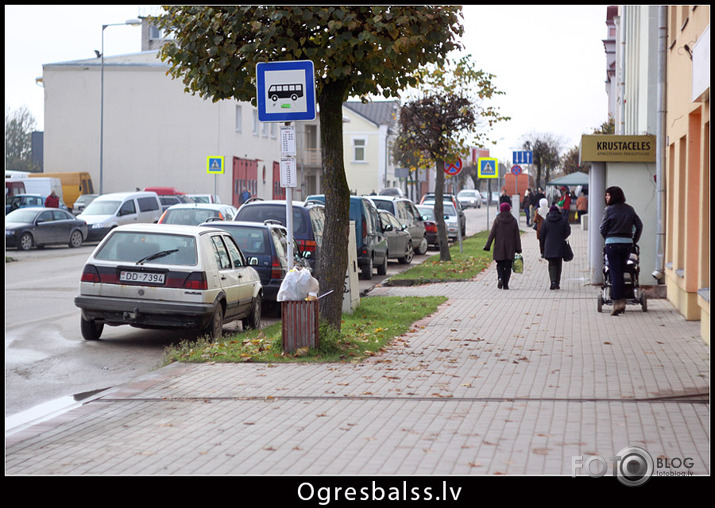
x=540, y=217
x=507, y=242
x=553, y=235
x=621, y=228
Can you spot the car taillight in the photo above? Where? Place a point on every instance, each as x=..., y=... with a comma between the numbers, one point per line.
x=90, y=274
x=431, y=228
x=364, y=228
x=307, y=245
x=196, y=280
x=276, y=269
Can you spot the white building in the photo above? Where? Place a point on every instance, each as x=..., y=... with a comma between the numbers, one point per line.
x=155, y=134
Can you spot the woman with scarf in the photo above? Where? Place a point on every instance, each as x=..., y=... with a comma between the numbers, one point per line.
x=507, y=242
x=539, y=218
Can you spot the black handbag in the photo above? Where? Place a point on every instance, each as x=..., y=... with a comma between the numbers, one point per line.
x=568, y=252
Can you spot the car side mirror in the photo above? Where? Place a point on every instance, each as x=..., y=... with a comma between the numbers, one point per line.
x=404, y=226
x=387, y=227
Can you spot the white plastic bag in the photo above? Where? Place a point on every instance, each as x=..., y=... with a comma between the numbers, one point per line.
x=296, y=285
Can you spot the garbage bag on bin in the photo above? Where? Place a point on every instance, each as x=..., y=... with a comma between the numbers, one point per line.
x=296, y=285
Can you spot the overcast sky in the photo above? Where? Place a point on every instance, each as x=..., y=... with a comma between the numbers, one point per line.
x=549, y=60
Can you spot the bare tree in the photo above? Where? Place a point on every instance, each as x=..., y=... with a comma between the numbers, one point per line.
x=19, y=125
x=546, y=150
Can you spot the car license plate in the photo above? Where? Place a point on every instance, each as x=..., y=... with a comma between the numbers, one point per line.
x=145, y=277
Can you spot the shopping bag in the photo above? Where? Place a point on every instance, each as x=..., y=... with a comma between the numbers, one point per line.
x=518, y=264
x=568, y=252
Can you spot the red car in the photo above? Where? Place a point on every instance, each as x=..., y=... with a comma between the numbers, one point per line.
x=427, y=213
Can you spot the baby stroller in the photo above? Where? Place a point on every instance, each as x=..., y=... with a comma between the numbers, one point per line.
x=633, y=293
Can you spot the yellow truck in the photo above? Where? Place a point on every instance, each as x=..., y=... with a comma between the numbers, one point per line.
x=74, y=184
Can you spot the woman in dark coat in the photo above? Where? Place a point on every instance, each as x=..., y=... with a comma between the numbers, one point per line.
x=552, y=237
x=507, y=242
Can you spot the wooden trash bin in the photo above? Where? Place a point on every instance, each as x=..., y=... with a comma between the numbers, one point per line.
x=300, y=325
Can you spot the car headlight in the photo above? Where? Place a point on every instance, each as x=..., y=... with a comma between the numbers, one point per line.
x=97, y=225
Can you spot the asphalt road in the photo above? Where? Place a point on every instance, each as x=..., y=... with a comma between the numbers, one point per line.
x=49, y=364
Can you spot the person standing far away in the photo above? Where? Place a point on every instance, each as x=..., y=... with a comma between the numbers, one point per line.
x=244, y=196
x=565, y=202
x=539, y=218
x=52, y=201
x=621, y=228
x=525, y=205
x=507, y=242
x=582, y=204
x=504, y=198
x=534, y=204
x=553, y=235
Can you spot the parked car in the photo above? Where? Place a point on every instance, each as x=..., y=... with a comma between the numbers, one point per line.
x=193, y=214
x=430, y=223
x=169, y=196
x=451, y=218
x=168, y=276
x=369, y=237
x=469, y=198
x=81, y=203
x=36, y=227
x=392, y=191
x=399, y=240
x=308, y=223
x=117, y=208
x=428, y=199
x=407, y=213
x=265, y=247
x=204, y=198
x=22, y=201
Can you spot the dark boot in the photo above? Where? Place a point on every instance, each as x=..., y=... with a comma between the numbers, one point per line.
x=553, y=277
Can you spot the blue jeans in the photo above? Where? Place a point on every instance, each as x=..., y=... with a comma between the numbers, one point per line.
x=617, y=255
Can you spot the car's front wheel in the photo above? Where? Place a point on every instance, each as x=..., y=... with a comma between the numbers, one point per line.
x=75, y=239
x=253, y=321
x=409, y=254
x=26, y=241
x=90, y=329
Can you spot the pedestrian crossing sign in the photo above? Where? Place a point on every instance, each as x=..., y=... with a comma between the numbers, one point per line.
x=488, y=167
x=214, y=165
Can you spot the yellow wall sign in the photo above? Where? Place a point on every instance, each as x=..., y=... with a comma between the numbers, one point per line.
x=214, y=165
x=488, y=167
x=617, y=148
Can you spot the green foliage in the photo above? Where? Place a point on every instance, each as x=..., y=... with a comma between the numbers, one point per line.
x=365, y=332
x=377, y=49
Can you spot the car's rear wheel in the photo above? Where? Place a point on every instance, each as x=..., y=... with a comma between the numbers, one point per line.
x=75, y=239
x=253, y=321
x=215, y=327
x=26, y=241
x=382, y=269
x=90, y=329
x=366, y=271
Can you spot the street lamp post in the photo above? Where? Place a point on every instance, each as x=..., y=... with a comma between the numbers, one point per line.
x=132, y=22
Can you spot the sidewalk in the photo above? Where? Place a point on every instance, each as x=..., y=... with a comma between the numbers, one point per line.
x=496, y=382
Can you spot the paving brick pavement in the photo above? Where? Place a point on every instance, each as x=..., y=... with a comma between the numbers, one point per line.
x=513, y=382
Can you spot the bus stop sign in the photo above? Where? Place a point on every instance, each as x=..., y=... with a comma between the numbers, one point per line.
x=285, y=91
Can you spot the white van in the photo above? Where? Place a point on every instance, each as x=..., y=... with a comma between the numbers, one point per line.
x=42, y=186
x=111, y=210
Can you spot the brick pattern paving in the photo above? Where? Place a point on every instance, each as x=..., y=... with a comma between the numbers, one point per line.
x=495, y=382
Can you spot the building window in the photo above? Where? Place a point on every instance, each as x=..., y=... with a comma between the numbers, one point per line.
x=359, y=149
x=255, y=122
x=239, y=118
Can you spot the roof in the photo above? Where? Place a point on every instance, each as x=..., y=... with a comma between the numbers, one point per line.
x=576, y=178
x=378, y=112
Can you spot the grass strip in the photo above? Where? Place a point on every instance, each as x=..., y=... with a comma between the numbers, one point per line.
x=365, y=332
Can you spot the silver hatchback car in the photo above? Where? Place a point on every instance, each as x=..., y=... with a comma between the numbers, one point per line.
x=168, y=276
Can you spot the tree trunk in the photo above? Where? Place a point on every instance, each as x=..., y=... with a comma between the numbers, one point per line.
x=439, y=213
x=334, y=254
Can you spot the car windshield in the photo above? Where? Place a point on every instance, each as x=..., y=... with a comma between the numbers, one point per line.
x=382, y=204
x=200, y=199
x=132, y=247
x=188, y=216
x=101, y=208
x=449, y=209
x=21, y=215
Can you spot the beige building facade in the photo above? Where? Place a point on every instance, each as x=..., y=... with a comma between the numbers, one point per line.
x=687, y=153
